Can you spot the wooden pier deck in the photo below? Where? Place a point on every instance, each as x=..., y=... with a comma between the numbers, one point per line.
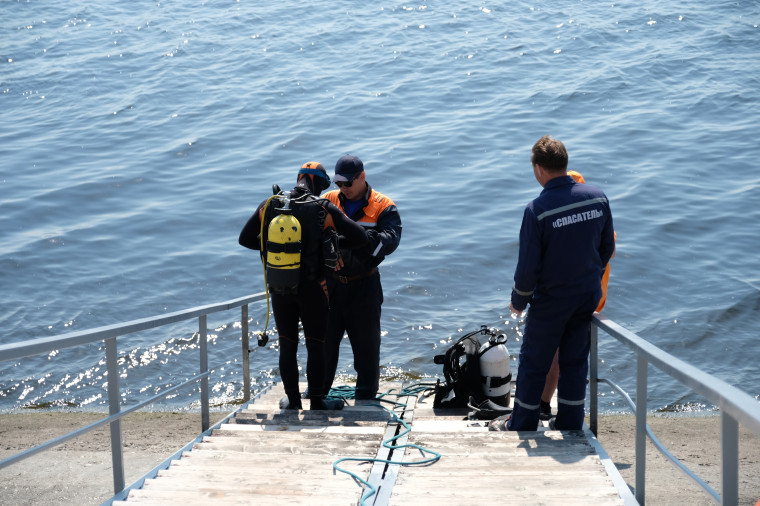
x=265, y=455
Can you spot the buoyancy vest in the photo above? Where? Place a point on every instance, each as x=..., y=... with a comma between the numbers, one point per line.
x=461, y=371
x=293, y=249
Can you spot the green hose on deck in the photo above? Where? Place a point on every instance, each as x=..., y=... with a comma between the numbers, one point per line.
x=348, y=393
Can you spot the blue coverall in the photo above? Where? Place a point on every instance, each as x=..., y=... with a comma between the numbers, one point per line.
x=566, y=240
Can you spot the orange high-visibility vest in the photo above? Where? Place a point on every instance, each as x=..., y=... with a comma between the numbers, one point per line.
x=377, y=204
x=606, y=275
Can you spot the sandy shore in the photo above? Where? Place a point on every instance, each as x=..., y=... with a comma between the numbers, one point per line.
x=696, y=443
x=79, y=471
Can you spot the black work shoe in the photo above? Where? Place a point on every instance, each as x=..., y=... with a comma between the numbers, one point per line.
x=499, y=424
x=545, y=412
x=288, y=403
x=321, y=404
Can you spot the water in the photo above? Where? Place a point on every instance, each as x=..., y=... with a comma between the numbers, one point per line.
x=135, y=141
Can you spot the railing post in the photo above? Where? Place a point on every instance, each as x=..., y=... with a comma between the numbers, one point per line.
x=114, y=406
x=641, y=428
x=203, y=341
x=594, y=380
x=246, y=354
x=729, y=432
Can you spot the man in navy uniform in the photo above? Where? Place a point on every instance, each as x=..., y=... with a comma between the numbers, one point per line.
x=356, y=294
x=566, y=240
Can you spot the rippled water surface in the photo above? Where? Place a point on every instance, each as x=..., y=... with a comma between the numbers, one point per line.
x=136, y=139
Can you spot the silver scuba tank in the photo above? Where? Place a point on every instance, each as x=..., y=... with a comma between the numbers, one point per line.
x=495, y=374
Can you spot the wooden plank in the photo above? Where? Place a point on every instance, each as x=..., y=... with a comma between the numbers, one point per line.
x=513, y=459
x=293, y=487
x=231, y=465
x=421, y=412
x=269, y=462
x=564, y=453
x=542, y=480
x=506, y=471
x=475, y=440
x=486, y=492
x=311, y=422
x=476, y=445
x=290, y=448
x=196, y=498
x=434, y=426
x=508, y=435
x=370, y=429
x=512, y=498
x=285, y=437
x=275, y=408
x=262, y=436
x=249, y=475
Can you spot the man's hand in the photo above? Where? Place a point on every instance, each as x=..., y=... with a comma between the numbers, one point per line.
x=373, y=237
x=515, y=311
x=339, y=263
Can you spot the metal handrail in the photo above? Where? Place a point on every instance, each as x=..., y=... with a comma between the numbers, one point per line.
x=109, y=334
x=735, y=407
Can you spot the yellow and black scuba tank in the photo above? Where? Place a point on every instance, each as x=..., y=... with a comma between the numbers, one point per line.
x=283, y=250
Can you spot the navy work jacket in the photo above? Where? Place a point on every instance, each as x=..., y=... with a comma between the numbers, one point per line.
x=380, y=217
x=566, y=240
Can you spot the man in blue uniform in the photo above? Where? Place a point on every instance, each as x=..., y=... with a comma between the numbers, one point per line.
x=566, y=240
x=356, y=294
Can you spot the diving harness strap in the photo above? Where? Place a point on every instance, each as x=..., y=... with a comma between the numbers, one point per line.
x=263, y=337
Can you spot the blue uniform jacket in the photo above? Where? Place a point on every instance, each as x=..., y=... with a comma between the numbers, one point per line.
x=380, y=217
x=566, y=240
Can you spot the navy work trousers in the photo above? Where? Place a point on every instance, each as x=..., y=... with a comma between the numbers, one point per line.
x=552, y=323
x=355, y=310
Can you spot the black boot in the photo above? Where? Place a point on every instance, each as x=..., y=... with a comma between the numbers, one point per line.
x=545, y=412
x=315, y=375
x=289, y=374
x=291, y=402
x=321, y=403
